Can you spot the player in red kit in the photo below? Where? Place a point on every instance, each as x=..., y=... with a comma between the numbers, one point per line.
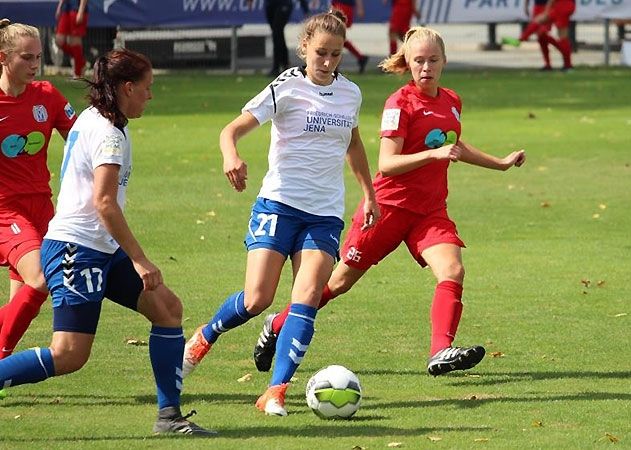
x=546, y=13
x=400, y=17
x=348, y=8
x=72, y=26
x=29, y=110
x=420, y=137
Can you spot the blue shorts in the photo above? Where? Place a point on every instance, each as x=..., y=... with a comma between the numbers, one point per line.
x=276, y=226
x=78, y=279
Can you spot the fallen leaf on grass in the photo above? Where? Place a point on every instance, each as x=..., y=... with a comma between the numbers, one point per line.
x=602, y=206
x=434, y=438
x=481, y=440
x=595, y=216
x=611, y=438
x=358, y=447
x=600, y=283
x=544, y=204
x=136, y=342
x=586, y=282
x=395, y=444
x=537, y=423
x=621, y=315
x=244, y=378
x=497, y=354
x=17, y=417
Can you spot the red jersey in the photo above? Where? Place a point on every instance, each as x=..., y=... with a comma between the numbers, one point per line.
x=424, y=123
x=26, y=123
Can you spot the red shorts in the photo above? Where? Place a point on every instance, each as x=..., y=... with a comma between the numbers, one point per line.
x=68, y=26
x=561, y=12
x=362, y=249
x=23, y=224
x=348, y=11
x=538, y=9
x=400, y=17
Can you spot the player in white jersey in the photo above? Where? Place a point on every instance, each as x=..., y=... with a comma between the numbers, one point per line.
x=314, y=112
x=90, y=253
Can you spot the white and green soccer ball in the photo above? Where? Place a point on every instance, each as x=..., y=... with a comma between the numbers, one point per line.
x=334, y=393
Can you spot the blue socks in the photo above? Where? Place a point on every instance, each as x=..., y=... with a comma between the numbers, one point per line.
x=293, y=342
x=166, y=350
x=230, y=315
x=29, y=366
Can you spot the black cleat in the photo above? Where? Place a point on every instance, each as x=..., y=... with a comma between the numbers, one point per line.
x=265, y=347
x=170, y=420
x=455, y=358
x=362, y=61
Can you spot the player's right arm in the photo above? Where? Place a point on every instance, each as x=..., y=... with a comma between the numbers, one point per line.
x=392, y=162
x=235, y=169
x=111, y=215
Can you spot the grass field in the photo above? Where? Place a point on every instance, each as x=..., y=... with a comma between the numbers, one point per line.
x=546, y=292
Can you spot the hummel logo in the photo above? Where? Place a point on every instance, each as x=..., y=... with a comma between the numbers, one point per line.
x=6, y=350
x=2, y=118
x=427, y=113
x=335, y=239
x=324, y=94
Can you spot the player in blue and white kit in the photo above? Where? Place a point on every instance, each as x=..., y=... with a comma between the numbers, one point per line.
x=89, y=251
x=314, y=112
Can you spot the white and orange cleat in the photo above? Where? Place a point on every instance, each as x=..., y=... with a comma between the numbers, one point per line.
x=194, y=351
x=272, y=402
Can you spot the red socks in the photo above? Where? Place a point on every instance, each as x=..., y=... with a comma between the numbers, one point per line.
x=279, y=320
x=565, y=47
x=545, y=50
x=18, y=315
x=76, y=52
x=445, y=314
x=393, y=46
x=351, y=48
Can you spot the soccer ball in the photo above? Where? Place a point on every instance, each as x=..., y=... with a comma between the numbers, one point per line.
x=334, y=393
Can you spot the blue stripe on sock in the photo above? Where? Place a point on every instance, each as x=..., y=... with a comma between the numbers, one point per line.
x=293, y=342
x=30, y=366
x=231, y=314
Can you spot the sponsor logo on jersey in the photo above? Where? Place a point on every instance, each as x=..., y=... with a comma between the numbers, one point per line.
x=112, y=145
x=324, y=94
x=390, y=119
x=69, y=110
x=455, y=113
x=39, y=113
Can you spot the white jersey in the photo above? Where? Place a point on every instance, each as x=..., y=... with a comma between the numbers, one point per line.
x=92, y=141
x=311, y=132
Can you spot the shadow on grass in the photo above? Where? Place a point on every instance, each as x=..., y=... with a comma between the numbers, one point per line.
x=513, y=377
x=328, y=429
x=477, y=402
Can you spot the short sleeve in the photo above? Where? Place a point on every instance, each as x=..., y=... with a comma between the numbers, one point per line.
x=394, y=119
x=110, y=148
x=65, y=115
x=263, y=106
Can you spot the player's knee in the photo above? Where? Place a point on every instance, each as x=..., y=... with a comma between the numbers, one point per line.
x=68, y=360
x=257, y=302
x=453, y=271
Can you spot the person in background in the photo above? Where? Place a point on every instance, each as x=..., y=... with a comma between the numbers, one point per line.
x=400, y=17
x=298, y=213
x=278, y=13
x=348, y=8
x=89, y=252
x=546, y=13
x=72, y=26
x=29, y=111
x=420, y=137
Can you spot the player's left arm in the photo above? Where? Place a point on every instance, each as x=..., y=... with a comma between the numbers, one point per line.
x=472, y=155
x=358, y=162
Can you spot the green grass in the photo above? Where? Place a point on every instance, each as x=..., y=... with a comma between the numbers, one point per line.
x=546, y=291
